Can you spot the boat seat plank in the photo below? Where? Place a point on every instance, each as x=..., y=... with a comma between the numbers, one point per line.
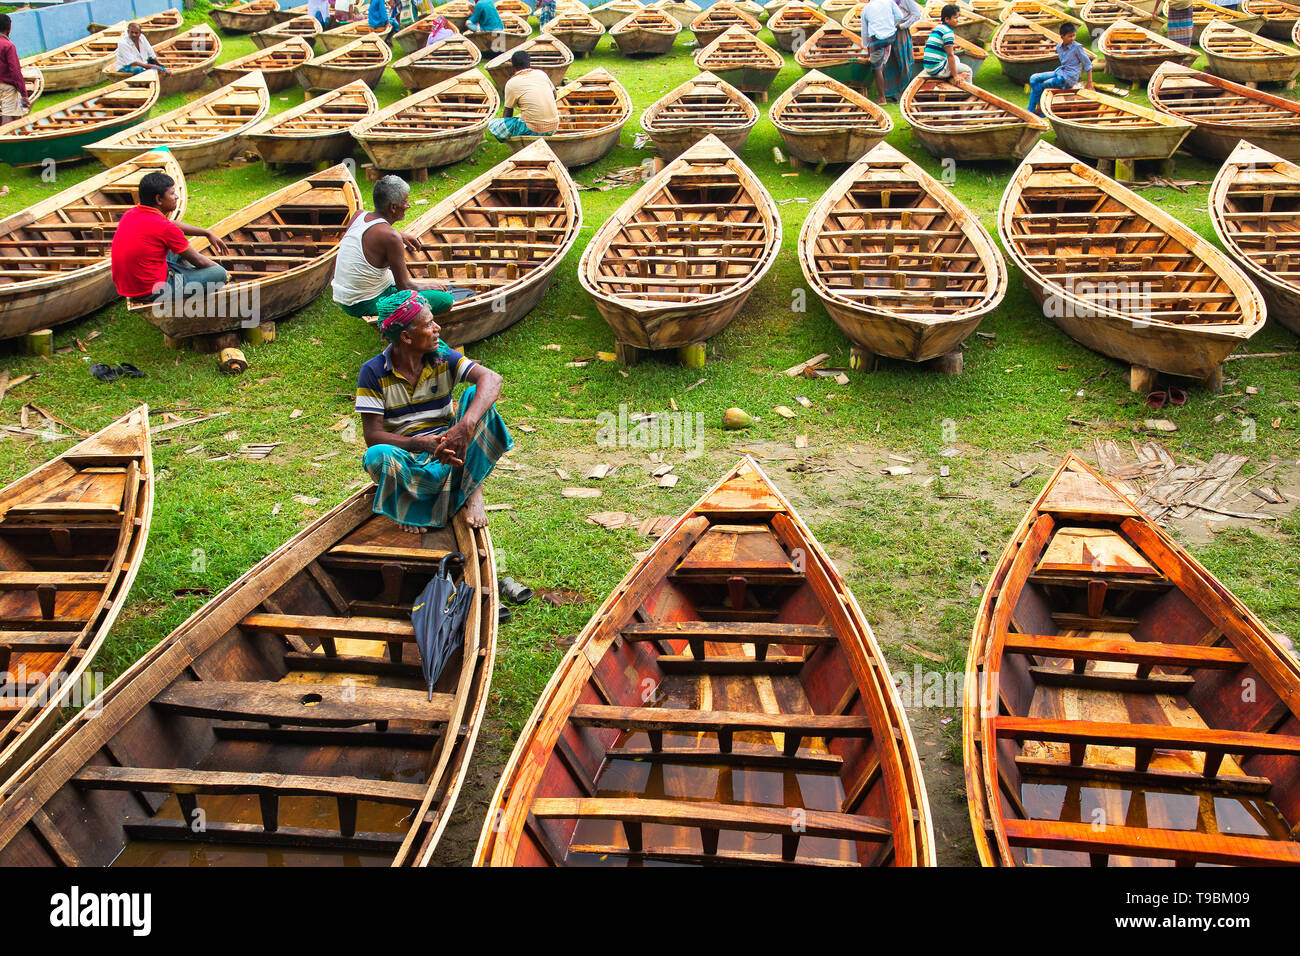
x=732, y=632
x=255, y=835
x=771, y=665
x=62, y=580
x=668, y=854
x=1131, y=652
x=657, y=718
x=314, y=705
x=302, y=625
x=1183, y=845
x=1234, y=784
x=1146, y=736
x=227, y=782
x=747, y=759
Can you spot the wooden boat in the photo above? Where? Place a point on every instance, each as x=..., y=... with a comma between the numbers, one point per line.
x=580, y=32
x=517, y=7
x=278, y=64
x=958, y=120
x=823, y=121
x=1119, y=274
x=741, y=59
x=1205, y=13
x=752, y=7
x=61, y=132
x=683, y=11
x=311, y=691
x=904, y=269
x=678, y=260
x=319, y=130
x=503, y=235
x=718, y=19
x=1280, y=18
x=72, y=537
x=363, y=59
x=993, y=8
x=702, y=106
x=433, y=64
x=290, y=13
x=1255, y=212
x=1024, y=48
x=54, y=254
x=970, y=26
x=836, y=9
x=1092, y=124
x=412, y=38
x=340, y=36
x=79, y=64
x=457, y=13
x=1234, y=54
x=247, y=17
x=602, y=775
x=593, y=110
x=35, y=80
x=834, y=51
x=435, y=127
x=1134, y=53
x=282, y=250
x=610, y=14
x=161, y=26
x=308, y=28
x=771, y=8
x=1067, y=721
x=645, y=33
x=546, y=53
x=794, y=23
x=1047, y=15
x=967, y=52
x=207, y=131
x=1224, y=112
x=516, y=31
x=1099, y=15
x=188, y=58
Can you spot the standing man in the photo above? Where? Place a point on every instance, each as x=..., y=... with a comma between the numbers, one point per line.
x=940, y=59
x=320, y=10
x=1074, y=63
x=13, y=86
x=134, y=52
x=901, y=65
x=484, y=18
x=1181, y=25
x=880, y=22
x=534, y=93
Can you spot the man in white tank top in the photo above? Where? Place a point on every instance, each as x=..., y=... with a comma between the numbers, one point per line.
x=371, y=261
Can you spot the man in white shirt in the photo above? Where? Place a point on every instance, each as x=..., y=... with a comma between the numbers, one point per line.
x=880, y=22
x=134, y=53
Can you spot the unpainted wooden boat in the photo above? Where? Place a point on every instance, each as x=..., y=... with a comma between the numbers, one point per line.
x=429, y=128
x=678, y=260
x=1280, y=17
x=740, y=58
x=277, y=64
x=1045, y=14
x=836, y=9
x=207, y=131
x=282, y=250
x=503, y=235
x=161, y=26
x=1205, y=13
x=794, y=23
x=1134, y=53
x=752, y=7
x=758, y=670
x=645, y=33
x=282, y=16
x=188, y=58
x=904, y=269
x=993, y=8
x=1243, y=57
x=340, y=36
x=35, y=84
x=61, y=132
x=971, y=26
x=834, y=51
x=1255, y=211
x=1099, y=15
x=433, y=64
x=1092, y=124
x=1119, y=274
x=718, y=19
x=593, y=110
x=1104, y=723
x=546, y=53
x=318, y=130
x=579, y=31
x=517, y=7
x=971, y=54
x=610, y=14
x=515, y=31
x=958, y=120
x=702, y=106
x=457, y=13
x=823, y=121
x=1224, y=112
x=363, y=59
x=1024, y=48
x=290, y=711
x=683, y=11
x=308, y=28
x=247, y=17
x=78, y=64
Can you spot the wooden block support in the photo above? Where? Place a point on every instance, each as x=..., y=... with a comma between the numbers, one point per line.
x=1125, y=170
x=628, y=354
x=40, y=342
x=232, y=361
x=1142, y=379
x=860, y=360
x=1214, y=381
x=172, y=343
x=693, y=356
x=260, y=334
x=950, y=363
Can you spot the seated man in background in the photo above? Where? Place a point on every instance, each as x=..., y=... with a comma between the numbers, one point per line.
x=940, y=59
x=484, y=18
x=534, y=93
x=428, y=457
x=134, y=52
x=1074, y=63
x=384, y=18
x=440, y=29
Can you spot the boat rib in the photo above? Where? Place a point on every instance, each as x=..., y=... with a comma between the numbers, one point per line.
x=1024, y=48
x=823, y=121
x=435, y=127
x=433, y=64
x=956, y=119
x=35, y=84
x=61, y=132
x=1134, y=53
x=1243, y=57
x=741, y=59
x=593, y=110
x=1092, y=124
x=187, y=57
x=276, y=63
x=1224, y=112
x=363, y=59
x=702, y=106
x=318, y=130
x=1099, y=15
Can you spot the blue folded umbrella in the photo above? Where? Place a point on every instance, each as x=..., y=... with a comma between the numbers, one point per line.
x=438, y=617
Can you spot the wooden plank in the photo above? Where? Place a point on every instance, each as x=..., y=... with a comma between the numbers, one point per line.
x=1144, y=735
x=308, y=705
x=1138, y=779
x=658, y=718
x=253, y=834
x=732, y=632
x=745, y=759
x=773, y=664
x=1129, y=652
x=157, y=780
x=668, y=854
x=1182, y=845
x=360, y=628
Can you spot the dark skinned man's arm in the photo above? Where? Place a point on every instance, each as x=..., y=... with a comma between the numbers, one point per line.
x=449, y=447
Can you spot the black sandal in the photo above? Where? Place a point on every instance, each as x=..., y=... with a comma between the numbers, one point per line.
x=514, y=592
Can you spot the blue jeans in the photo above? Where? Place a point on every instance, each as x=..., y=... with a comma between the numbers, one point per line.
x=1056, y=80
x=185, y=280
x=322, y=19
x=508, y=127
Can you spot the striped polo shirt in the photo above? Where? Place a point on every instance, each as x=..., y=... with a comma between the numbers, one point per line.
x=936, y=44
x=425, y=409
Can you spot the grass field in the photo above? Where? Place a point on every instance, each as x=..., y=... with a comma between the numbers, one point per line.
x=915, y=560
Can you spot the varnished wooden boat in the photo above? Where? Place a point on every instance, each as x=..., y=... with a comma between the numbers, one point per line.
x=282, y=250
x=1024, y=48
x=1119, y=274
x=433, y=64
x=834, y=51
x=72, y=537
x=161, y=26
x=741, y=59
x=247, y=17
x=54, y=255
x=204, y=132
x=903, y=268
x=677, y=261
x=1225, y=112
x=1134, y=53
x=308, y=28
x=515, y=31
x=517, y=7
x=1092, y=124
x=61, y=132
x=340, y=36
x=970, y=26
x=593, y=110
x=1048, y=15
x=457, y=13
x=363, y=59
x=1099, y=15
x=645, y=33
x=794, y=23
x=299, y=681
x=683, y=11
x=1255, y=211
x=579, y=31
x=503, y=235
x=610, y=14
x=546, y=53
x=319, y=130
x=823, y=121
x=702, y=106
x=1104, y=722
x=1243, y=57
x=958, y=120
x=78, y=64
x=718, y=19
x=188, y=58
x=429, y=128
x=1205, y=13
x=277, y=64
x=1280, y=17
x=971, y=54
x=35, y=85
x=652, y=738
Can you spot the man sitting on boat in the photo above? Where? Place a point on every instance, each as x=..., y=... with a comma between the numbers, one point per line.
x=1075, y=62
x=940, y=59
x=534, y=93
x=13, y=86
x=371, y=261
x=135, y=53
x=428, y=457
x=385, y=17
x=484, y=18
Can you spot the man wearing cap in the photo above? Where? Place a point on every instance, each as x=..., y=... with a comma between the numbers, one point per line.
x=428, y=456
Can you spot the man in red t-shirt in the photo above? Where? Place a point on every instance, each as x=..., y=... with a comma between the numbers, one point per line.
x=13, y=88
x=152, y=259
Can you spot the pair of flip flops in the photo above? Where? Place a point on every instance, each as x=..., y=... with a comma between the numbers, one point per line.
x=1172, y=396
x=111, y=373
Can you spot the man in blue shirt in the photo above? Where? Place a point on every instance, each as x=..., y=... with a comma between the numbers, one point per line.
x=485, y=18
x=385, y=17
x=1075, y=62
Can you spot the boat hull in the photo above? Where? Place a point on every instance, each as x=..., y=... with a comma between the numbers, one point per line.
x=277, y=81
x=841, y=146
x=303, y=150
x=313, y=78
x=671, y=143
x=574, y=151
x=1257, y=70
x=750, y=79
x=176, y=81
x=1013, y=141
x=192, y=156
x=421, y=77
x=423, y=152
x=1019, y=71
x=75, y=76
x=235, y=22
x=1101, y=143
x=1140, y=69
x=33, y=151
x=581, y=43
x=643, y=42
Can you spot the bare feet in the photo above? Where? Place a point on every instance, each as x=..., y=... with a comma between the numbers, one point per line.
x=475, y=516
x=412, y=529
